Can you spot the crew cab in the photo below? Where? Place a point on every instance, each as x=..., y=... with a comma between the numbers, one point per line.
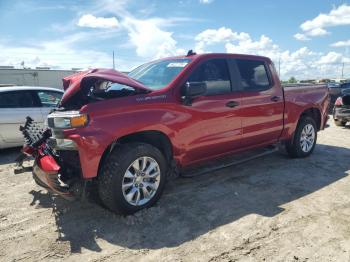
x=128, y=132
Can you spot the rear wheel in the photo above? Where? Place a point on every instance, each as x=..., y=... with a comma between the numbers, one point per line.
x=132, y=178
x=305, y=138
x=339, y=122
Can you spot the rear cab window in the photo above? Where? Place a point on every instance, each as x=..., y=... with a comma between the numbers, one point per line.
x=253, y=74
x=215, y=74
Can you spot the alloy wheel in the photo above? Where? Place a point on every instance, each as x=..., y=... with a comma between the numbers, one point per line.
x=141, y=181
x=307, y=138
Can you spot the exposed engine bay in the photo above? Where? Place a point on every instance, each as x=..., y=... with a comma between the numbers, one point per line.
x=96, y=85
x=97, y=90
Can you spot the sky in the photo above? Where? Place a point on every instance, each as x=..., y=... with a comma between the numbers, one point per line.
x=305, y=39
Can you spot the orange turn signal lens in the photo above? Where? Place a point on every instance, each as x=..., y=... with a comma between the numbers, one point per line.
x=79, y=121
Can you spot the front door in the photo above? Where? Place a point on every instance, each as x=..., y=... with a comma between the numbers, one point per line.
x=214, y=125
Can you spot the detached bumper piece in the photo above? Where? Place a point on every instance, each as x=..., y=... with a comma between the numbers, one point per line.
x=46, y=174
x=55, y=170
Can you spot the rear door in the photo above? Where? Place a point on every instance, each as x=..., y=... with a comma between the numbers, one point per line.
x=214, y=126
x=15, y=106
x=262, y=103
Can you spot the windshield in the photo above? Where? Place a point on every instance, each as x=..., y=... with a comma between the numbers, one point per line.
x=159, y=74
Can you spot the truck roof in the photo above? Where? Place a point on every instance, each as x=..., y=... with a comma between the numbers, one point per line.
x=214, y=55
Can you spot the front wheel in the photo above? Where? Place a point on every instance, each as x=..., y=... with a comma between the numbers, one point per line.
x=132, y=178
x=305, y=138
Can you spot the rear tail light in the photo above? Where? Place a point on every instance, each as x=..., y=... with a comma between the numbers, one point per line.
x=339, y=101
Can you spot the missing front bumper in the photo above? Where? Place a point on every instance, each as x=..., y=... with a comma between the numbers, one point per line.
x=50, y=181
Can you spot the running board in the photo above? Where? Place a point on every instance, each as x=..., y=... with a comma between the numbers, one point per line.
x=228, y=161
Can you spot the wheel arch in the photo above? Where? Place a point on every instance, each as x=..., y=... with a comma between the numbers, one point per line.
x=155, y=138
x=315, y=114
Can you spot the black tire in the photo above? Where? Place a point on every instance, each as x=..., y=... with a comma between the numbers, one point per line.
x=112, y=172
x=294, y=148
x=339, y=122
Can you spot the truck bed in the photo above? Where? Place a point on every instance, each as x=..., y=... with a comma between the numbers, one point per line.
x=300, y=96
x=303, y=85
x=306, y=93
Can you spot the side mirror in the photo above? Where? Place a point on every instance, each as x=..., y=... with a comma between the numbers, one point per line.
x=192, y=90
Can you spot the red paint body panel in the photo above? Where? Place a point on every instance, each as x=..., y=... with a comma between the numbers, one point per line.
x=48, y=164
x=297, y=100
x=205, y=130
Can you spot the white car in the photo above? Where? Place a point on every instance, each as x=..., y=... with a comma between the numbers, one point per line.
x=18, y=102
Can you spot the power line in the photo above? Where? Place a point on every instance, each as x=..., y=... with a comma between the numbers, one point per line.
x=57, y=54
x=73, y=61
x=113, y=61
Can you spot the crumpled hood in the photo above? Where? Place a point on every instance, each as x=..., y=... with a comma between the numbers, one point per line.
x=71, y=84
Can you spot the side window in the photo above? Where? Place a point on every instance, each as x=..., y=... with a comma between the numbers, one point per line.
x=215, y=74
x=254, y=75
x=49, y=98
x=16, y=99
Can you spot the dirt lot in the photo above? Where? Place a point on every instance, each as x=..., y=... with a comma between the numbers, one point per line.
x=271, y=209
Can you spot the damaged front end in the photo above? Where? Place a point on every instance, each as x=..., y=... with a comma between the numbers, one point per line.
x=50, y=169
x=67, y=154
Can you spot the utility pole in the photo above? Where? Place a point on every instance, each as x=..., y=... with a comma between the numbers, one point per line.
x=113, y=61
x=342, y=71
x=279, y=67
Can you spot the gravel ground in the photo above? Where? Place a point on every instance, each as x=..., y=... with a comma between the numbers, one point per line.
x=271, y=209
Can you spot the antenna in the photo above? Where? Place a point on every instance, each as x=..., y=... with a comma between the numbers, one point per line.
x=342, y=71
x=190, y=52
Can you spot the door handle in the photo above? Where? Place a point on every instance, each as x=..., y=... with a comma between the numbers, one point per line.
x=232, y=104
x=275, y=98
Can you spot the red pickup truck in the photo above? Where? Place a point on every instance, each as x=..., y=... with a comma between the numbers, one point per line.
x=127, y=132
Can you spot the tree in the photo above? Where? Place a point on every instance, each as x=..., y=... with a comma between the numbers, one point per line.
x=292, y=80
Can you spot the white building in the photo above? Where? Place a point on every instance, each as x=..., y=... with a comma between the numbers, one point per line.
x=33, y=77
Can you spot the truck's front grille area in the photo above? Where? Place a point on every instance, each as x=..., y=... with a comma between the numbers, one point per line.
x=70, y=160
